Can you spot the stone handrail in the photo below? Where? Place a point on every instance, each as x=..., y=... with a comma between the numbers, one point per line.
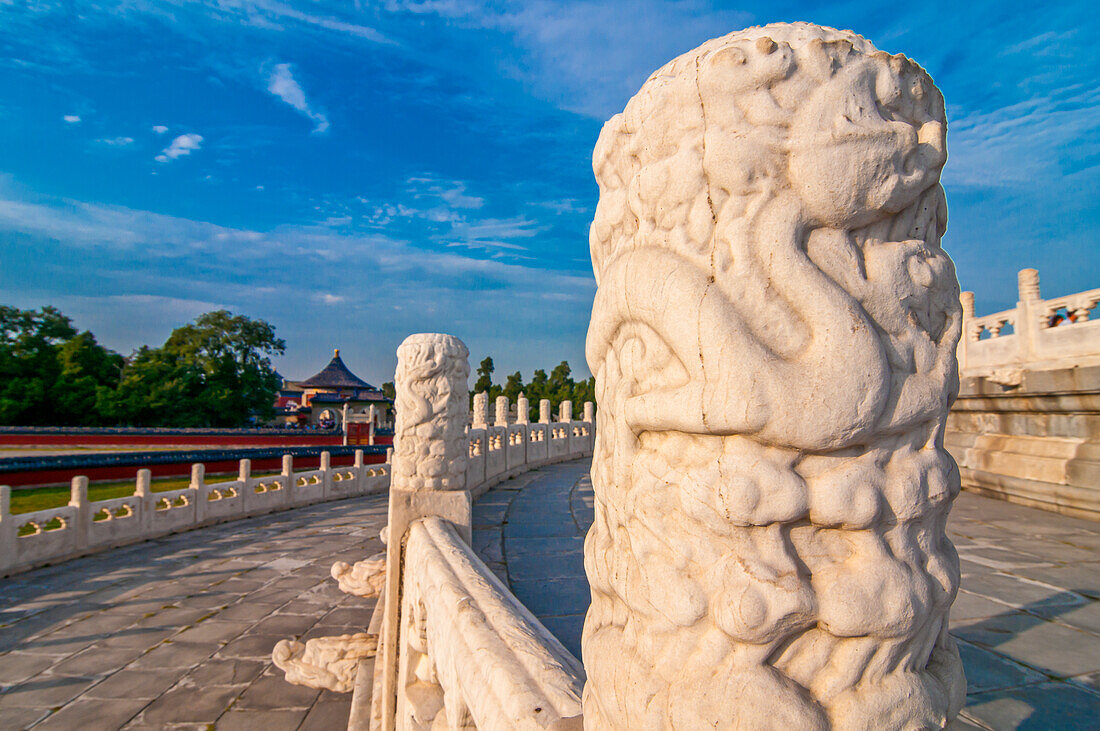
x=490, y=693
x=1050, y=333
x=447, y=636
x=472, y=651
x=84, y=526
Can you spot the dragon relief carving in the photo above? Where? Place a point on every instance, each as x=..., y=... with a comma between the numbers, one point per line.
x=773, y=339
x=432, y=412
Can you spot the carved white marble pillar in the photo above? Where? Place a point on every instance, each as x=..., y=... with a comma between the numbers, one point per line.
x=428, y=471
x=1030, y=317
x=589, y=412
x=523, y=410
x=502, y=411
x=565, y=411
x=481, y=410
x=544, y=411
x=773, y=339
x=966, y=300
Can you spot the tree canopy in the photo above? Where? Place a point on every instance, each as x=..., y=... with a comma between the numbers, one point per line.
x=214, y=372
x=557, y=387
x=50, y=373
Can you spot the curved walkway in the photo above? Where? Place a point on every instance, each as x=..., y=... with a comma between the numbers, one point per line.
x=178, y=632
x=1027, y=617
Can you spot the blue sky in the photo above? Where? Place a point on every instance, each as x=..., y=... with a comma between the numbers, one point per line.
x=356, y=171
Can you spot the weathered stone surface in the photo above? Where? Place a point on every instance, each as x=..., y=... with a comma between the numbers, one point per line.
x=773, y=339
x=999, y=665
x=364, y=578
x=432, y=410
x=324, y=662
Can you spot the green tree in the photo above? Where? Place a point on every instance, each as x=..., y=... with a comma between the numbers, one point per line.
x=537, y=388
x=513, y=386
x=583, y=391
x=214, y=372
x=484, y=376
x=560, y=386
x=389, y=390
x=50, y=374
x=89, y=374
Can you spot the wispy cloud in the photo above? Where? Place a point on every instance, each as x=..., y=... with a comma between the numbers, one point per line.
x=181, y=146
x=116, y=141
x=72, y=118
x=159, y=129
x=281, y=83
x=1041, y=138
x=585, y=56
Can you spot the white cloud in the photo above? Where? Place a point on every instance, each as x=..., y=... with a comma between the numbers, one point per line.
x=116, y=141
x=182, y=145
x=193, y=266
x=160, y=129
x=282, y=84
x=71, y=118
x=586, y=57
x=1043, y=138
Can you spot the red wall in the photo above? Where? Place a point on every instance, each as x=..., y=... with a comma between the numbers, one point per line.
x=178, y=469
x=136, y=440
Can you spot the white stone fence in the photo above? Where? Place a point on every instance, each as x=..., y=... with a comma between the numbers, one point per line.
x=1051, y=333
x=453, y=647
x=462, y=646
x=471, y=652
x=83, y=526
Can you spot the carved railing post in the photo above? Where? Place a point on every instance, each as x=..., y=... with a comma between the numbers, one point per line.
x=1029, y=314
x=78, y=498
x=481, y=410
x=429, y=470
x=565, y=411
x=145, y=499
x=966, y=300
x=8, y=531
x=771, y=487
x=198, y=487
x=523, y=410
x=544, y=411
x=502, y=411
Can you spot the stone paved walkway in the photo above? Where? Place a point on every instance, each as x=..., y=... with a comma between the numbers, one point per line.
x=1027, y=617
x=178, y=632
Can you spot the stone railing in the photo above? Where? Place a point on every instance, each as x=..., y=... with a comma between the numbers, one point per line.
x=1026, y=424
x=454, y=648
x=83, y=526
x=1035, y=442
x=454, y=641
x=471, y=652
x=1037, y=334
x=770, y=492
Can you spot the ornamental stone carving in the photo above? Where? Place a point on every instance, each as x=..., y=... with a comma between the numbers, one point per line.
x=773, y=339
x=432, y=410
x=364, y=578
x=481, y=410
x=324, y=662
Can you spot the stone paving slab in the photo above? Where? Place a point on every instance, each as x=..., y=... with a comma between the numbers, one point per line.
x=1027, y=616
x=177, y=632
